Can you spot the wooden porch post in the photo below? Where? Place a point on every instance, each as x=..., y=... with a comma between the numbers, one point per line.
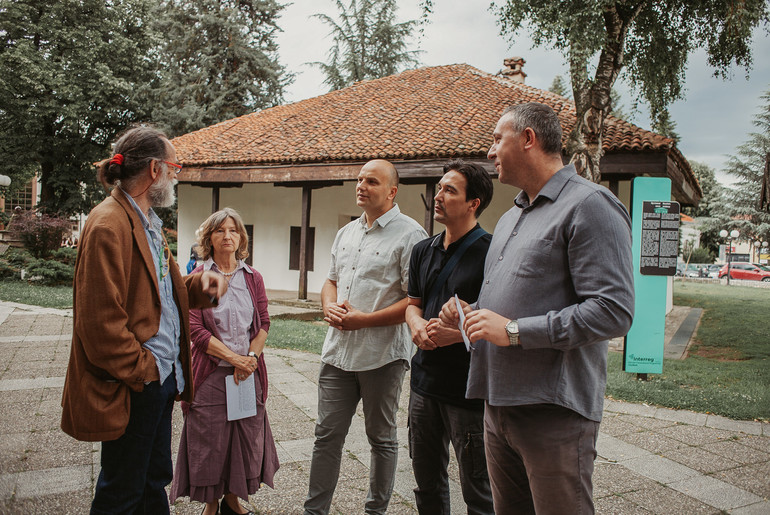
x=214, y=199
x=307, y=194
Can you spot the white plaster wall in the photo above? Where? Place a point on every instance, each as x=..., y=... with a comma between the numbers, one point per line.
x=193, y=207
x=273, y=210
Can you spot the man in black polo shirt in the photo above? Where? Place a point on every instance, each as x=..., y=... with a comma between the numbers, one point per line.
x=440, y=267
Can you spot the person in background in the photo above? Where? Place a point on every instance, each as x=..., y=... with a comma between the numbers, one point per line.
x=218, y=457
x=193, y=262
x=366, y=350
x=130, y=314
x=440, y=267
x=558, y=284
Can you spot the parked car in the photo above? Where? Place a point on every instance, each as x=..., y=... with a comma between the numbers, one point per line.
x=747, y=271
x=695, y=270
x=713, y=271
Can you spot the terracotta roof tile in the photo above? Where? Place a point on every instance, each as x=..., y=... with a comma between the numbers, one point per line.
x=429, y=112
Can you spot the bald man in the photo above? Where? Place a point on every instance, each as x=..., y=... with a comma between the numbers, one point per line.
x=367, y=348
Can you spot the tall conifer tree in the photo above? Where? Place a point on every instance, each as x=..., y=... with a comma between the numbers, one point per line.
x=218, y=60
x=368, y=43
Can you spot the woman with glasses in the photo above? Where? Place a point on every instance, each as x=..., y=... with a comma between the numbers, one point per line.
x=218, y=457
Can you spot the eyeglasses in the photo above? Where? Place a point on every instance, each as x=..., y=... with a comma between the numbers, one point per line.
x=175, y=165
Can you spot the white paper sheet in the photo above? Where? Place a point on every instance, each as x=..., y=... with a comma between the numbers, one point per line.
x=462, y=323
x=241, y=398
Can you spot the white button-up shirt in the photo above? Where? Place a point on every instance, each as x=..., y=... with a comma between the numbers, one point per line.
x=371, y=268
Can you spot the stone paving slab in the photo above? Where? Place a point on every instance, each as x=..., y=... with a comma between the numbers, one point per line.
x=715, y=493
x=651, y=460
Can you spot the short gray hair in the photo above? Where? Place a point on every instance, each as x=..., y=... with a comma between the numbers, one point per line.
x=541, y=119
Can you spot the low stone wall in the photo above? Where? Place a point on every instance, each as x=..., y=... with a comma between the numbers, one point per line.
x=733, y=282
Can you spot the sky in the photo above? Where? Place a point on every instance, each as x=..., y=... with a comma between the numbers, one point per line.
x=713, y=119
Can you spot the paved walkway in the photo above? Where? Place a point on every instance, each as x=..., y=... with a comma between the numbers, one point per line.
x=652, y=460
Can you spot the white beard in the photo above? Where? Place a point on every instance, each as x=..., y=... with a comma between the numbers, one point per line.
x=161, y=194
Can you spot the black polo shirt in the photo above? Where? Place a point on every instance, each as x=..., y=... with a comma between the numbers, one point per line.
x=442, y=373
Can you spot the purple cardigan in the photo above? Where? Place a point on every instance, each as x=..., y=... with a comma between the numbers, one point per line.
x=203, y=326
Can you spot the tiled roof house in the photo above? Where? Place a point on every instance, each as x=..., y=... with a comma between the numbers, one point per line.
x=416, y=119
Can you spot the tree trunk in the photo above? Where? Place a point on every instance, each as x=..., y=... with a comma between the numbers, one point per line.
x=47, y=192
x=592, y=96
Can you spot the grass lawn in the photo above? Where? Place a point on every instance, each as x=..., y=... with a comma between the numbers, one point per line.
x=728, y=369
x=46, y=296
x=297, y=335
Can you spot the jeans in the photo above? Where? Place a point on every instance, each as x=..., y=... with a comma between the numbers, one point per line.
x=137, y=466
x=433, y=424
x=339, y=392
x=540, y=459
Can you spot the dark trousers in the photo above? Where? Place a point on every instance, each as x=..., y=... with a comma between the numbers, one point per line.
x=540, y=459
x=432, y=426
x=137, y=466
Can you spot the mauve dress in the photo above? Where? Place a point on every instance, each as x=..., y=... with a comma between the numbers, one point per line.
x=216, y=456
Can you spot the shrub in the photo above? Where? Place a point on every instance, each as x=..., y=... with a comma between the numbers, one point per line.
x=19, y=258
x=40, y=233
x=50, y=272
x=701, y=255
x=66, y=255
x=8, y=271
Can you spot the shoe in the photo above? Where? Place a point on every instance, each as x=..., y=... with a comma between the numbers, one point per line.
x=225, y=509
x=204, y=509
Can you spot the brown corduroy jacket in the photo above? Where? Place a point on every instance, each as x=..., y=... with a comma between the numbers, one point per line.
x=116, y=308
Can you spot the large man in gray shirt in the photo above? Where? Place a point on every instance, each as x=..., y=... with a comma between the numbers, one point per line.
x=367, y=348
x=558, y=284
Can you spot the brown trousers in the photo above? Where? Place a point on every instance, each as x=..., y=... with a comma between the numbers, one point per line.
x=540, y=459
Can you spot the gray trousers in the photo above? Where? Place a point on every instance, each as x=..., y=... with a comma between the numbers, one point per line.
x=338, y=395
x=432, y=425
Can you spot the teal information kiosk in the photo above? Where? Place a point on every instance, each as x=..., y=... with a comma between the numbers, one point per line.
x=655, y=230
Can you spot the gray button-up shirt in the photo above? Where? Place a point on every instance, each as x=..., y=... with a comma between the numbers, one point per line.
x=560, y=265
x=371, y=269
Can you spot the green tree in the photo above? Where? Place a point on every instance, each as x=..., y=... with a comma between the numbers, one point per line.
x=649, y=41
x=712, y=210
x=712, y=200
x=218, y=60
x=747, y=166
x=617, y=109
x=69, y=73
x=560, y=87
x=665, y=126
x=368, y=43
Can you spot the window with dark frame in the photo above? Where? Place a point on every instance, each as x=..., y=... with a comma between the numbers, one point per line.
x=294, y=243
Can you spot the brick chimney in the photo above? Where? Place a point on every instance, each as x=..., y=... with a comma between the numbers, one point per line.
x=513, y=69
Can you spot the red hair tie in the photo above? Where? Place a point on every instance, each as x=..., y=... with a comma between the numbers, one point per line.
x=117, y=159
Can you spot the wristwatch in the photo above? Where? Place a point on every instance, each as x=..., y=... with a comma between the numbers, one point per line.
x=512, y=328
x=253, y=355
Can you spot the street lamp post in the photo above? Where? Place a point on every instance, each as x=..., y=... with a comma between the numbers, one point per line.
x=733, y=235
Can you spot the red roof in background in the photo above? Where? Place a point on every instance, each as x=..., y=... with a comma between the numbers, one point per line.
x=432, y=112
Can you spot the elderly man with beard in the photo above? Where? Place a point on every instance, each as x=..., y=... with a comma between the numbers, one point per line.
x=130, y=356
